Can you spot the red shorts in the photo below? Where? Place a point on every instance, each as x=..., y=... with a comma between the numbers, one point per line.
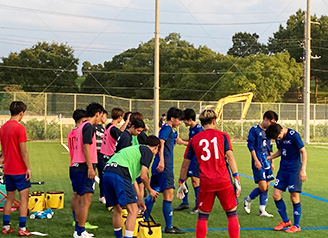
x=226, y=196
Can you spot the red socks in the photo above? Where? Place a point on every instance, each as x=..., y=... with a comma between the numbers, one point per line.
x=201, y=228
x=233, y=224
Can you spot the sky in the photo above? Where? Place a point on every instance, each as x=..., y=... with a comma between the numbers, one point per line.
x=100, y=29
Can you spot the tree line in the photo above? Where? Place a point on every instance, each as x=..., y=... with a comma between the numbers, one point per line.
x=273, y=71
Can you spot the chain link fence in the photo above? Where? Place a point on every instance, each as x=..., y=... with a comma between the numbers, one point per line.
x=44, y=109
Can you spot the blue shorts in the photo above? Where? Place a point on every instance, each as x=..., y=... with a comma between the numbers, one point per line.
x=81, y=183
x=262, y=174
x=193, y=170
x=72, y=177
x=139, y=181
x=18, y=182
x=288, y=180
x=162, y=181
x=117, y=190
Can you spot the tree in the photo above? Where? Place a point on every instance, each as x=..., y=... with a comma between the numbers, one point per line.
x=245, y=44
x=291, y=39
x=48, y=66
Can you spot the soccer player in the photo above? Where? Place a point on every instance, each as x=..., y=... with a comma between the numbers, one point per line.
x=193, y=170
x=162, y=179
x=213, y=151
x=291, y=174
x=101, y=161
x=260, y=147
x=112, y=133
x=84, y=164
x=142, y=137
x=125, y=139
x=16, y=167
x=120, y=184
x=79, y=115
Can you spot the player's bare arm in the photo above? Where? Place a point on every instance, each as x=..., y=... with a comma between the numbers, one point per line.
x=145, y=180
x=275, y=155
x=184, y=169
x=123, y=127
x=304, y=161
x=161, y=164
x=23, y=151
x=140, y=201
x=87, y=156
x=257, y=163
x=181, y=141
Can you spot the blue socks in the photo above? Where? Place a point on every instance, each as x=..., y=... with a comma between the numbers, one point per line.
x=80, y=230
x=297, y=213
x=22, y=222
x=118, y=233
x=281, y=206
x=149, y=205
x=6, y=220
x=185, y=199
x=264, y=198
x=196, y=189
x=168, y=213
x=255, y=193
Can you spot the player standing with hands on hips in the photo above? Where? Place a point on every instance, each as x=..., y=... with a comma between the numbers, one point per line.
x=213, y=152
x=291, y=174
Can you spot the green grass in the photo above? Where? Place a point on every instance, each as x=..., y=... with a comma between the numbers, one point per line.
x=49, y=163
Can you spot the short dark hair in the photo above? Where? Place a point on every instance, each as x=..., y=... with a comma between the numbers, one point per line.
x=273, y=131
x=125, y=117
x=270, y=115
x=105, y=112
x=93, y=108
x=207, y=116
x=16, y=107
x=138, y=123
x=78, y=114
x=135, y=115
x=189, y=114
x=153, y=141
x=175, y=113
x=163, y=115
x=116, y=113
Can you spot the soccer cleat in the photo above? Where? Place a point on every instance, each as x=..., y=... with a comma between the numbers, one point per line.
x=7, y=230
x=181, y=207
x=87, y=225
x=102, y=200
x=84, y=234
x=293, y=229
x=174, y=230
x=24, y=232
x=282, y=225
x=194, y=210
x=247, y=206
x=265, y=214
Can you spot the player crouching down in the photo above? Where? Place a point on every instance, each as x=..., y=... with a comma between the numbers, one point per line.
x=120, y=186
x=211, y=146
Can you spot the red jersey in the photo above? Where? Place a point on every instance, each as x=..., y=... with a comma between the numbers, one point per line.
x=210, y=147
x=71, y=139
x=12, y=134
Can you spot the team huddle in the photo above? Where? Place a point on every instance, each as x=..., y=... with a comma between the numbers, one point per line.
x=123, y=156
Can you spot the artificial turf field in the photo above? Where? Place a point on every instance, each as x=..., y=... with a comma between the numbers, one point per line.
x=50, y=160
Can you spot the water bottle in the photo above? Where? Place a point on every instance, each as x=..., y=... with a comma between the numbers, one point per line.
x=148, y=198
x=264, y=162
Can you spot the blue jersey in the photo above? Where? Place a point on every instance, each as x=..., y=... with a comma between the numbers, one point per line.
x=289, y=147
x=169, y=135
x=257, y=141
x=194, y=130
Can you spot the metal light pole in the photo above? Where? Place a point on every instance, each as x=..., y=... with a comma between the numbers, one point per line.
x=307, y=89
x=156, y=70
